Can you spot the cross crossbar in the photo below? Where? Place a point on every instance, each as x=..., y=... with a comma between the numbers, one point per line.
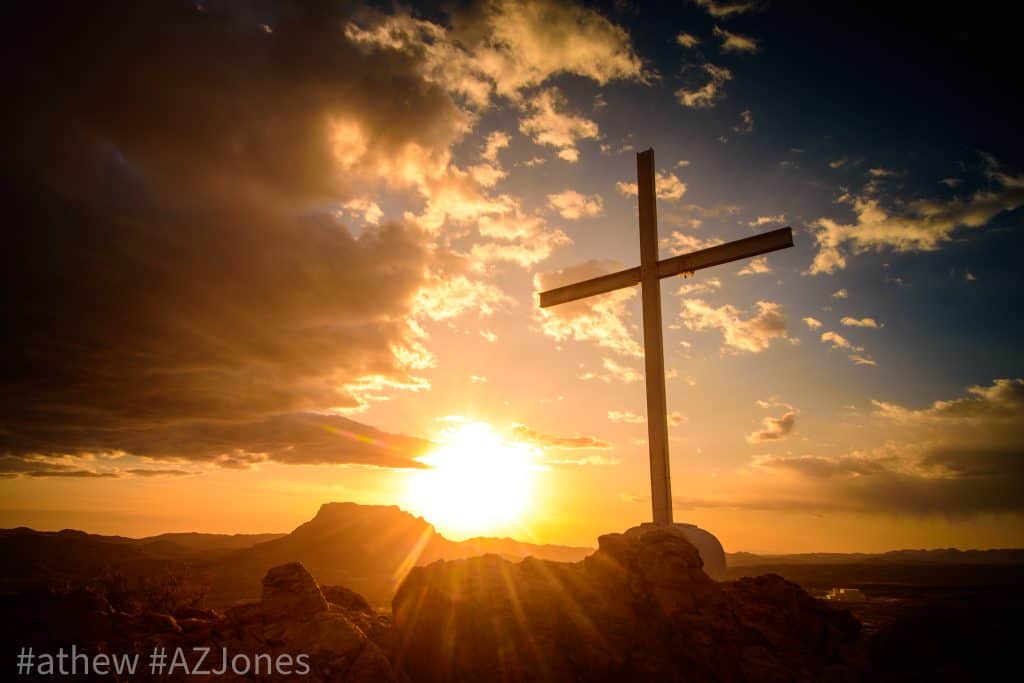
x=747, y=247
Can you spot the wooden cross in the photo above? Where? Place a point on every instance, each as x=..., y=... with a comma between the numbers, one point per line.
x=649, y=274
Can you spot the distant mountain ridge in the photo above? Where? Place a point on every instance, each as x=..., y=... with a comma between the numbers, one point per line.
x=371, y=548
x=946, y=556
x=367, y=547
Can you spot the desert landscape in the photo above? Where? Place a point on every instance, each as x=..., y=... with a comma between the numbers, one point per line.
x=499, y=341
x=409, y=604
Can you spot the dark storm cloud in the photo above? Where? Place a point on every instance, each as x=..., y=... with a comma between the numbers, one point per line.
x=295, y=438
x=12, y=466
x=214, y=102
x=949, y=481
x=174, y=282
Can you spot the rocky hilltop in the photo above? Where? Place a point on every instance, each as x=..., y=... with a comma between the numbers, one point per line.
x=640, y=608
x=338, y=635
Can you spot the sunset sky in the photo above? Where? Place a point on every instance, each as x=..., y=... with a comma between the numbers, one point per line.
x=262, y=256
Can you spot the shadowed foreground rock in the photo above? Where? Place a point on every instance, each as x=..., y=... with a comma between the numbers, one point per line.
x=640, y=608
x=342, y=642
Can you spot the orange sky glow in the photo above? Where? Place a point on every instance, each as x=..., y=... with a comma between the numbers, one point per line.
x=302, y=266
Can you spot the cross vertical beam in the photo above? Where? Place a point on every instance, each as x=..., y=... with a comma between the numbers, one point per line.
x=654, y=352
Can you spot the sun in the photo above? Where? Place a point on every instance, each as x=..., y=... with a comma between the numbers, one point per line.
x=478, y=482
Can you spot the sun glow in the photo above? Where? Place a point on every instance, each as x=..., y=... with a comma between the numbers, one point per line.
x=478, y=483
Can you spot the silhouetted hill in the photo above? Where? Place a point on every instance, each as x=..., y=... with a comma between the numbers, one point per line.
x=950, y=556
x=39, y=559
x=369, y=548
x=33, y=558
x=206, y=543
x=889, y=574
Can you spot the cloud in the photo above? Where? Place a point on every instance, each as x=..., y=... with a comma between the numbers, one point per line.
x=516, y=237
x=818, y=467
x=626, y=417
x=296, y=438
x=527, y=253
x=952, y=459
x=767, y=220
x=812, y=323
x=368, y=209
x=494, y=143
x=152, y=472
x=838, y=163
x=709, y=285
x=734, y=42
x=905, y=480
x=571, y=205
x=746, y=124
x=487, y=175
x=756, y=266
x=687, y=40
x=682, y=243
x=594, y=459
x=708, y=94
x=838, y=341
x=575, y=442
x=600, y=319
x=186, y=284
x=774, y=428
x=859, y=322
x=615, y=372
x=914, y=225
x=803, y=505
x=999, y=403
x=12, y=466
x=725, y=10
x=448, y=296
x=667, y=186
x=840, y=294
x=752, y=334
x=547, y=123
x=505, y=46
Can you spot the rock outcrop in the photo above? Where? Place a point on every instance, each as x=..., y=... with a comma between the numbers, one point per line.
x=340, y=642
x=640, y=608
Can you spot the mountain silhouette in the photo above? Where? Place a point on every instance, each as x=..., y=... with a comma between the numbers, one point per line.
x=369, y=548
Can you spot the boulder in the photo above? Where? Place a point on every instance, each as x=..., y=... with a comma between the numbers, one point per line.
x=290, y=592
x=640, y=608
x=346, y=598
